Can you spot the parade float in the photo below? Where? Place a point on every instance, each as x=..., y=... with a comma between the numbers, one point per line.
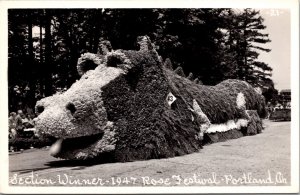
x=129, y=105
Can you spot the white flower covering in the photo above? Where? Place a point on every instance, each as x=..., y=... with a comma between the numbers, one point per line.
x=90, y=116
x=88, y=56
x=241, y=101
x=207, y=127
x=205, y=123
x=229, y=125
x=242, y=123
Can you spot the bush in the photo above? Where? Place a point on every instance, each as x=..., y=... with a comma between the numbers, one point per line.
x=281, y=115
x=26, y=143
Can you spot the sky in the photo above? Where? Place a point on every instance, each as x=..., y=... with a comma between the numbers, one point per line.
x=279, y=58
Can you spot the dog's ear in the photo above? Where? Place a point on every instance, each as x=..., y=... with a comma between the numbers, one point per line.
x=88, y=61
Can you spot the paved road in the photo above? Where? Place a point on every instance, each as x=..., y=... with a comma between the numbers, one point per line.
x=262, y=159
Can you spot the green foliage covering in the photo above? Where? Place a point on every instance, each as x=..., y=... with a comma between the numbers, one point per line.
x=168, y=64
x=255, y=123
x=253, y=99
x=222, y=136
x=146, y=127
x=190, y=76
x=281, y=115
x=179, y=71
x=217, y=102
x=197, y=81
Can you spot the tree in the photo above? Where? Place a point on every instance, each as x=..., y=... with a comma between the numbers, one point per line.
x=212, y=44
x=247, y=39
x=189, y=38
x=270, y=93
x=19, y=56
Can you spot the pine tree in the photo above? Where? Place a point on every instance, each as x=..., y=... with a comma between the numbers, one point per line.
x=247, y=40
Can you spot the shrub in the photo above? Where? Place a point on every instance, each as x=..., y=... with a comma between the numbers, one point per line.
x=26, y=143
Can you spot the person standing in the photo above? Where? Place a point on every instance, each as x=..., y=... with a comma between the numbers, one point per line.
x=19, y=122
x=15, y=124
x=12, y=125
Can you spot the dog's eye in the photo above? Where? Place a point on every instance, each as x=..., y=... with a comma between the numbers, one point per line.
x=71, y=107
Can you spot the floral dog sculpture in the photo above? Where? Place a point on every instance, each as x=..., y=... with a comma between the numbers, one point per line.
x=129, y=106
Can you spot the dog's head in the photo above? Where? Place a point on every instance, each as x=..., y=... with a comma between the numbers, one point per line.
x=77, y=119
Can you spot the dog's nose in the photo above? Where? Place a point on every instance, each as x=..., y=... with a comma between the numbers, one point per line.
x=39, y=109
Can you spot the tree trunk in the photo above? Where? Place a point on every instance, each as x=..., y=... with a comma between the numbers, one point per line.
x=32, y=79
x=48, y=59
x=97, y=34
x=41, y=42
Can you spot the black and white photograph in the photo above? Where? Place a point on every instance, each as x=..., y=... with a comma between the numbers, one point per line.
x=194, y=98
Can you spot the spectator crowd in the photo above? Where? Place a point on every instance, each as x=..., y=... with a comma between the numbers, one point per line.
x=18, y=122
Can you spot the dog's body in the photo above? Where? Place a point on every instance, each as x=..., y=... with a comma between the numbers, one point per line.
x=128, y=105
